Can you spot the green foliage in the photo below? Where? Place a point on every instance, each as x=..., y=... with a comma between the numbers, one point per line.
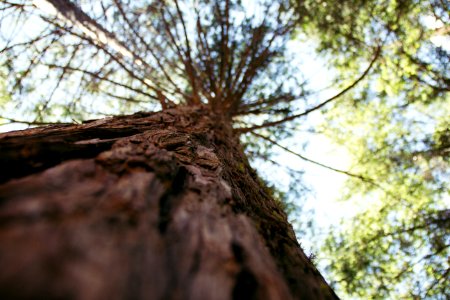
x=5, y=97
x=396, y=127
x=402, y=231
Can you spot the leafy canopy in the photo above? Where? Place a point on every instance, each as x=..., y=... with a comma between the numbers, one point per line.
x=396, y=127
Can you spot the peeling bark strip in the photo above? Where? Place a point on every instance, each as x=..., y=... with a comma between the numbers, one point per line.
x=149, y=206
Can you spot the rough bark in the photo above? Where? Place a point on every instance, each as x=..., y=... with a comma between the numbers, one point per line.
x=149, y=206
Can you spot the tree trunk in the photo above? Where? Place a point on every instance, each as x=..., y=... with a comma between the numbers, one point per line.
x=148, y=206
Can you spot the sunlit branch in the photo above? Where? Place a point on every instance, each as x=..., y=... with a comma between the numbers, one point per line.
x=256, y=36
x=259, y=57
x=73, y=15
x=130, y=71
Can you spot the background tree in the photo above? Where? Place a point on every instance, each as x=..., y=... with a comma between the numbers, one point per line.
x=396, y=129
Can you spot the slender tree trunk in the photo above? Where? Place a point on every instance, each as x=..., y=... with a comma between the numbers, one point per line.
x=149, y=206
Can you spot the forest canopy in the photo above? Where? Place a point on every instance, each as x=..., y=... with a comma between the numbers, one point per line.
x=388, y=103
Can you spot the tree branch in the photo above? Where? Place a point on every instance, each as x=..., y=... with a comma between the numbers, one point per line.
x=344, y=91
x=72, y=14
x=37, y=123
x=358, y=176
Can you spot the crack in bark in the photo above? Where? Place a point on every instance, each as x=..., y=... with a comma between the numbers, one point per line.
x=26, y=155
x=246, y=283
x=168, y=200
x=246, y=286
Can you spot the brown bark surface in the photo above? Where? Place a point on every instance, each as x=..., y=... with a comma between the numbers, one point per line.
x=149, y=206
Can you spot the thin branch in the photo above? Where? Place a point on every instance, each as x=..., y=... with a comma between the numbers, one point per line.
x=96, y=75
x=11, y=121
x=28, y=43
x=358, y=176
x=205, y=57
x=438, y=280
x=338, y=95
x=58, y=83
x=190, y=69
x=118, y=60
x=149, y=49
x=103, y=39
x=72, y=14
x=127, y=99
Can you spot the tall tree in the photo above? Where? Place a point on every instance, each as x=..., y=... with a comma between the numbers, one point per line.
x=159, y=205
